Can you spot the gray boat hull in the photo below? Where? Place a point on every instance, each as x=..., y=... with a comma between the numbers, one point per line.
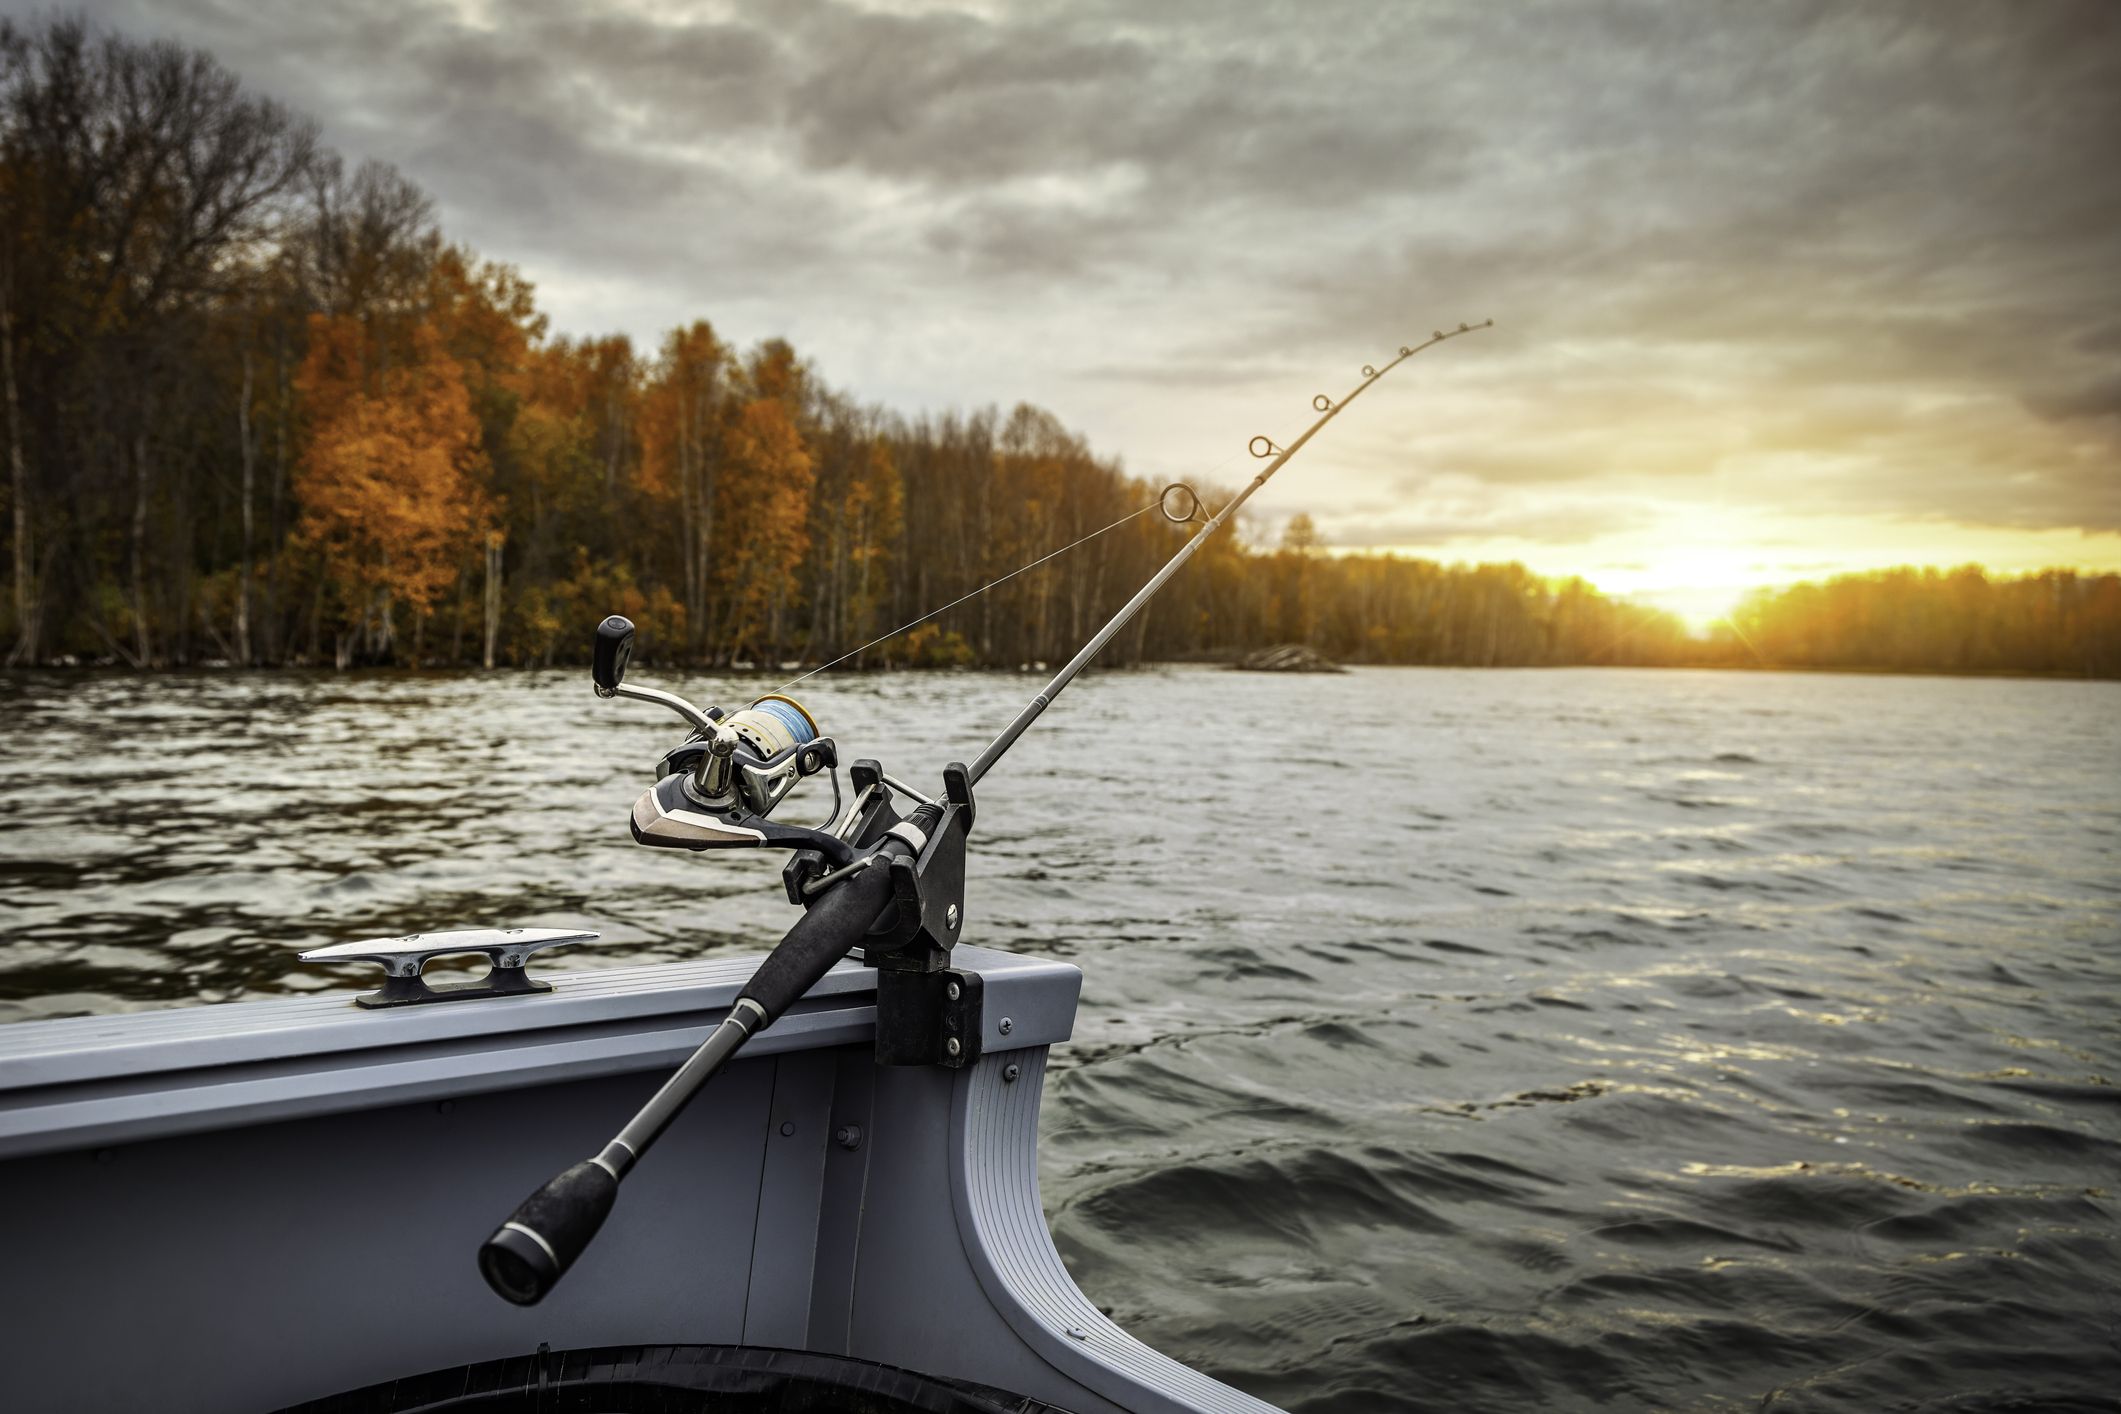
x=249, y=1206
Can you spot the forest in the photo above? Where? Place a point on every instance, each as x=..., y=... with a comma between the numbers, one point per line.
x=261, y=411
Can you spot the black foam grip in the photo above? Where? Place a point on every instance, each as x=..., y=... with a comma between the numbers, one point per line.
x=565, y=1214
x=833, y=927
x=612, y=651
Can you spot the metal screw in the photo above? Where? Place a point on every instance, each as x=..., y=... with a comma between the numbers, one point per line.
x=1010, y=1072
x=954, y=991
x=848, y=1136
x=445, y=1107
x=1006, y=1026
x=787, y=1128
x=950, y=916
x=952, y=1046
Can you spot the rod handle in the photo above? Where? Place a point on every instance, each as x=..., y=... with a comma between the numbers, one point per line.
x=528, y=1254
x=835, y=925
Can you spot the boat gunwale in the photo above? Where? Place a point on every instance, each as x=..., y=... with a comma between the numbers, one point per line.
x=85, y=1081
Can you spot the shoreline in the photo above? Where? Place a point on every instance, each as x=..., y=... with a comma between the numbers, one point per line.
x=113, y=667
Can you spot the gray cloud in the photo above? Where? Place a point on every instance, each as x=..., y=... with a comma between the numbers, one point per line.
x=1862, y=255
x=1546, y=525
x=2100, y=397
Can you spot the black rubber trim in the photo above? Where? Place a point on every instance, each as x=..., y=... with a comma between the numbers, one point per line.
x=677, y=1379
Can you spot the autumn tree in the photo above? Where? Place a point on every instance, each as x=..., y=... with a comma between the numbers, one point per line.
x=763, y=503
x=391, y=483
x=682, y=426
x=141, y=181
x=855, y=522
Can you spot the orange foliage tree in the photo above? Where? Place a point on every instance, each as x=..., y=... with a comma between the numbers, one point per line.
x=681, y=452
x=867, y=527
x=764, y=507
x=391, y=483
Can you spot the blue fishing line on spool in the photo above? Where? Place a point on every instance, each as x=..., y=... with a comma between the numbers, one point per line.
x=799, y=728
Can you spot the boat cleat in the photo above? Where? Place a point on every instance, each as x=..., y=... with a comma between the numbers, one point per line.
x=506, y=949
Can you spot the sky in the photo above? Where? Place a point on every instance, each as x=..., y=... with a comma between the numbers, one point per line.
x=1779, y=289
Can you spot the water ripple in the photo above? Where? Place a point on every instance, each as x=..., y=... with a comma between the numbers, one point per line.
x=1521, y=1040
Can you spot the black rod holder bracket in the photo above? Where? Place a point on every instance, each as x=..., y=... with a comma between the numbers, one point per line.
x=929, y=1018
x=929, y=888
x=927, y=1012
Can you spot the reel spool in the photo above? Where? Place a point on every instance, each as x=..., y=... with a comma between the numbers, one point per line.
x=774, y=724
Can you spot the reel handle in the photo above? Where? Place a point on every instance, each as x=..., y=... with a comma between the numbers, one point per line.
x=612, y=652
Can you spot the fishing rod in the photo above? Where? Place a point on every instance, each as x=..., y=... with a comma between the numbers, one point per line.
x=1262, y=447
x=869, y=877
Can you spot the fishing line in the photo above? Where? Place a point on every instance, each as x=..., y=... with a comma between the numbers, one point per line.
x=1262, y=448
x=1163, y=501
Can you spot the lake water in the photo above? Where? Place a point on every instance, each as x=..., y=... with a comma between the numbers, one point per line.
x=1512, y=1040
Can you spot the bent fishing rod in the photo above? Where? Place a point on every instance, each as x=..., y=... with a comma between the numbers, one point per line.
x=871, y=878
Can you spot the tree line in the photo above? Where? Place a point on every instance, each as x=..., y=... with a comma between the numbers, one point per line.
x=260, y=410
x=1928, y=620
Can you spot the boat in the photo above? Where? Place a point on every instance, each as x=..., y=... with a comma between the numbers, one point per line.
x=270, y=1204
x=281, y=1204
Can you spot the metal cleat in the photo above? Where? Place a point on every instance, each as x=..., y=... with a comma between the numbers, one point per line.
x=507, y=949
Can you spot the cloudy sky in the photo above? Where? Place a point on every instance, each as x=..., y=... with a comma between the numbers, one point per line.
x=1779, y=289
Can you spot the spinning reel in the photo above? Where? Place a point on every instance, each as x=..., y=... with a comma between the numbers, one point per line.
x=717, y=788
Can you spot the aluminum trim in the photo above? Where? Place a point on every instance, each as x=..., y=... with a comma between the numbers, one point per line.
x=994, y=1188
x=534, y=1236
x=84, y=1081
